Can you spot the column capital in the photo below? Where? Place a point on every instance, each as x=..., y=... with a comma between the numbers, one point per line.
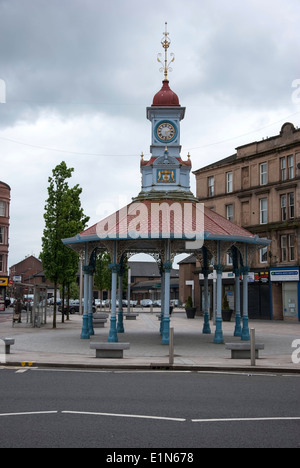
x=205, y=272
x=88, y=270
x=245, y=270
x=114, y=267
x=219, y=268
x=168, y=267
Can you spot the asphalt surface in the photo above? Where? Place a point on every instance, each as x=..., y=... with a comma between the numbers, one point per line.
x=152, y=410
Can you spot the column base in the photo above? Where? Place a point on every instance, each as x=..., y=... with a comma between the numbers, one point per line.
x=219, y=339
x=90, y=324
x=85, y=335
x=113, y=335
x=206, y=326
x=120, y=327
x=245, y=331
x=166, y=331
x=238, y=327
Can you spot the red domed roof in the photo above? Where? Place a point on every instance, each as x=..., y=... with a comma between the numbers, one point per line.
x=165, y=97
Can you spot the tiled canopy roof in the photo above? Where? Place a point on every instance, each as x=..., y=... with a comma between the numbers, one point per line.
x=165, y=219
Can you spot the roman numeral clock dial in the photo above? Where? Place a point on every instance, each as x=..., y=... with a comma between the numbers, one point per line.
x=165, y=131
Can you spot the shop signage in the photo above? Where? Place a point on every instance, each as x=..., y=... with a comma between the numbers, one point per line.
x=17, y=279
x=3, y=282
x=262, y=276
x=284, y=275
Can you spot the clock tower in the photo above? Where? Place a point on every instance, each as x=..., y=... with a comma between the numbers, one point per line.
x=165, y=175
x=165, y=115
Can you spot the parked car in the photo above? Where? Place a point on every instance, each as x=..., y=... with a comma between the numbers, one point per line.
x=146, y=303
x=73, y=307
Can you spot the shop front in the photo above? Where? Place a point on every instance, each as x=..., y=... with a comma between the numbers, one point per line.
x=3, y=286
x=285, y=293
x=258, y=291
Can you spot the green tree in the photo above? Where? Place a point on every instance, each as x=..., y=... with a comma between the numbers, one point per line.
x=73, y=222
x=64, y=218
x=102, y=277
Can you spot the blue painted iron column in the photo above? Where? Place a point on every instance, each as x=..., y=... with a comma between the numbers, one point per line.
x=113, y=335
x=206, y=326
x=166, y=318
x=219, y=332
x=219, y=268
x=162, y=301
x=90, y=303
x=238, y=327
x=245, y=330
x=85, y=335
x=120, y=327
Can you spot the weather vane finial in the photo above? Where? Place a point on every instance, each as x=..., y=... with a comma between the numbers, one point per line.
x=165, y=42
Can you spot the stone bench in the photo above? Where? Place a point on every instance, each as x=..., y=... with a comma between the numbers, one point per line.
x=100, y=315
x=131, y=316
x=8, y=343
x=243, y=350
x=109, y=350
x=99, y=323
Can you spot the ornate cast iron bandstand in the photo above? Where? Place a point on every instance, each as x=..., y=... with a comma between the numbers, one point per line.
x=164, y=220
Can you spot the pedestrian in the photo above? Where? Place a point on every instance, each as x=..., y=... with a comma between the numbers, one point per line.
x=18, y=310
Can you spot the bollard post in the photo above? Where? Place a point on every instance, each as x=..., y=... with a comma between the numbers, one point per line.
x=171, y=347
x=252, y=345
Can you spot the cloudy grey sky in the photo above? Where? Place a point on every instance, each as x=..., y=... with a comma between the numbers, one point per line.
x=79, y=75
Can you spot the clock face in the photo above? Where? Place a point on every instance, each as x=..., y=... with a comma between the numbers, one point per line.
x=165, y=131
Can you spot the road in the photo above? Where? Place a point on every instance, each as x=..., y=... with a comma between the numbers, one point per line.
x=119, y=409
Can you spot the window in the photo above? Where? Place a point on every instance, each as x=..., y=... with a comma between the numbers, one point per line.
x=287, y=167
x=1, y=235
x=263, y=174
x=1, y=262
x=287, y=203
x=263, y=254
x=264, y=211
x=229, y=182
x=291, y=205
x=287, y=248
x=291, y=239
x=283, y=207
x=2, y=208
x=283, y=168
x=291, y=166
x=229, y=259
x=229, y=212
x=211, y=186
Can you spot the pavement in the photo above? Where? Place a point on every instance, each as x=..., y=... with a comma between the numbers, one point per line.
x=62, y=347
